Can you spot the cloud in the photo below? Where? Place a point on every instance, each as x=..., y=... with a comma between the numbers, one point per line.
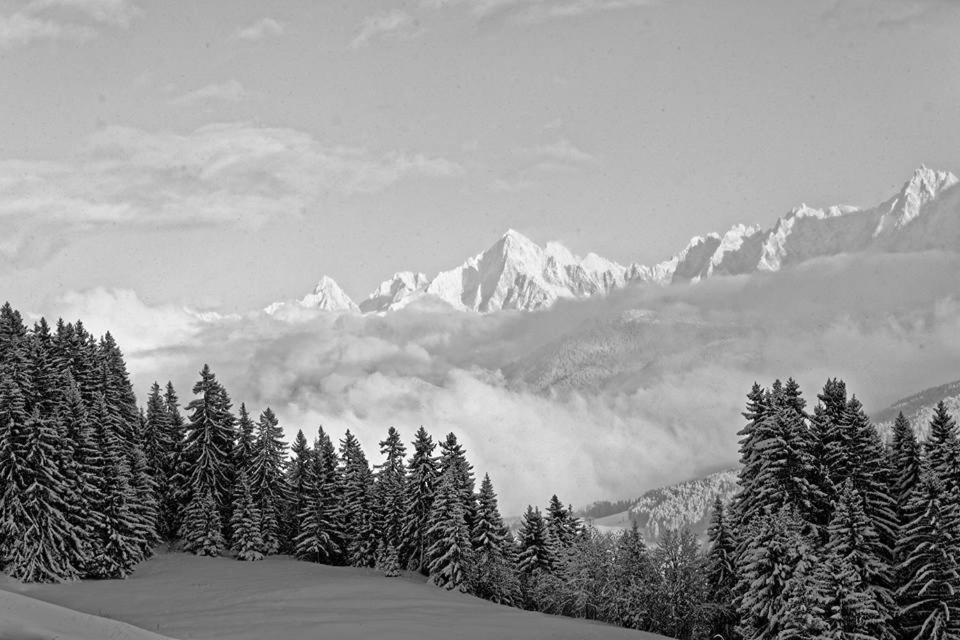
x=537, y=11
x=232, y=173
x=562, y=152
x=395, y=25
x=230, y=91
x=600, y=398
x=70, y=20
x=890, y=14
x=561, y=156
x=261, y=29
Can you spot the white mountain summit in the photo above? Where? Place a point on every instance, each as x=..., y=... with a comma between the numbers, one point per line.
x=516, y=273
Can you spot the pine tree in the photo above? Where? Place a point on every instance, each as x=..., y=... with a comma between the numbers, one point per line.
x=298, y=481
x=495, y=576
x=390, y=479
x=178, y=473
x=943, y=449
x=847, y=609
x=537, y=551
x=562, y=524
x=119, y=548
x=775, y=550
x=721, y=573
x=13, y=444
x=47, y=541
x=244, y=448
x=268, y=483
x=865, y=578
x=420, y=488
x=207, y=455
x=202, y=529
x=929, y=596
x=453, y=456
x=144, y=502
x=389, y=564
x=358, y=519
x=905, y=456
x=319, y=534
x=246, y=522
x=450, y=554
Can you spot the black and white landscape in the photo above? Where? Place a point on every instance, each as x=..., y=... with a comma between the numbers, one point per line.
x=480, y=318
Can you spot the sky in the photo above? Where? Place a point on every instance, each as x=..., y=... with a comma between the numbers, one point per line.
x=167, y=169
x=224, y=155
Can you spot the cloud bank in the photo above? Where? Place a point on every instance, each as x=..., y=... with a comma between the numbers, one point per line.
x=226, y=173
x=593, y=399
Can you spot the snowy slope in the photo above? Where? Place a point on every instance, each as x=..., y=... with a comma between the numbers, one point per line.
x=685, y=504
x=918, y=408
x=516, y=273
x=189, y=596
x=23, y=618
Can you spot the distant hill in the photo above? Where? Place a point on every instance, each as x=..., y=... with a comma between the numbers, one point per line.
x=919, y=407
x=686, y=504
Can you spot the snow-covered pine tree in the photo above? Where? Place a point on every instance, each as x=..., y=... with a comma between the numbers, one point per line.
x=79, y=456
x=207, y=455
x=244, y=445
x=143, y=502
x=746, y=505
x=720, y=573
x=905, y=458
x=929, y=594
x=319, y=534
x=495, y=570
x=47, y=541
x=202, y=529
x=360, y=535
x=118, y=394
x=866, y=573
x=118, y=547
x=297, y=480
x=44, y=378
x=178, y=473
x=943, y=449
x=453, y=456
x=389, y=564
x=563, y=525
x=420, y=487
x=774, y=550
x=245, y=522
x=802, y=616
x=847, y=609
x=268, y=483
x=158, y=448
x=13, y=444
x=537, y=551
x=450, y=554
x=390, y=479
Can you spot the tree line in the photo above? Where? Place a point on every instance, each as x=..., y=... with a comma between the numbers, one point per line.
x=834, y=532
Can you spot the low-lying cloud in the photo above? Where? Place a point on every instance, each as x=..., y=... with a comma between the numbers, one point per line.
x=593, y=399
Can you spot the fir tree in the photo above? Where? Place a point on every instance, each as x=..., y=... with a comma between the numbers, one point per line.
x=390, y=479
x=450, y=554
x=318, y=522
x=847, y=609
x=268, y=484
x=905, y=457
x=47, y=541
x=943, y=449
x=775, y=551
x=537, y=551
x=298, y=481
x=119, y=548
x=178, y=473
x=865, y=578
x=246, y=521
x=358, y=519
x=494, y=576
x=562, y=524
x=929, y=596
x=13, y=444
x=207, y=455
x=721, y=573
x=420, y=488
x=389, y=564
x=453, y=456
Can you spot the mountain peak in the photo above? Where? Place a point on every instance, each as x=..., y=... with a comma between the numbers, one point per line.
x=923, y=186
x=326, y=296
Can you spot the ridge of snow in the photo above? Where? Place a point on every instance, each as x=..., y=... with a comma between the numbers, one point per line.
x=925, y=185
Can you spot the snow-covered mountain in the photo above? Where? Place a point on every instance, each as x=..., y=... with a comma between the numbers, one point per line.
x=516, y=273
x=326, y=296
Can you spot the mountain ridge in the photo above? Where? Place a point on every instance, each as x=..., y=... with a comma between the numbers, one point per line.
x=515, y=273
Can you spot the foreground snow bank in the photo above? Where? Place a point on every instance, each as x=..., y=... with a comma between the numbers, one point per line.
x=185, y=596
x=23, y=618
